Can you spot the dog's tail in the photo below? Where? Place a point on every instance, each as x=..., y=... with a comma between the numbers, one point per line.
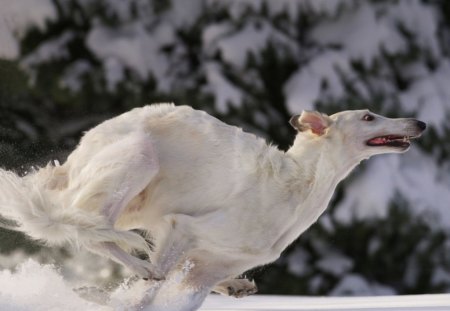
x=26, y=202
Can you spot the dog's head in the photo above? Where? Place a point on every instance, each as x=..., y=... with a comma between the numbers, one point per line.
x=360, y=131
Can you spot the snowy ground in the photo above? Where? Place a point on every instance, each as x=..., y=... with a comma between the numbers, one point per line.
x=36, y=287
x=284, y=303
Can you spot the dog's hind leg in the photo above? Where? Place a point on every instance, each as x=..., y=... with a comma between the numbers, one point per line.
x=140, y=165
x=143, y=268
x=236, y=287
x=115, y=176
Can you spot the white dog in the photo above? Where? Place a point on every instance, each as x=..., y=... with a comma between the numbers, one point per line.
x=215, y=201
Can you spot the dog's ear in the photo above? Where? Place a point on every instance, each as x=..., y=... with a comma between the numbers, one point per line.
x=311, y=120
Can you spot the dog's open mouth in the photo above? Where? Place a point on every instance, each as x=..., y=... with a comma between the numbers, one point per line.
x=390, y=141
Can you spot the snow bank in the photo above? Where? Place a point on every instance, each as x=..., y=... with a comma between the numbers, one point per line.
x=36, y=287
x=284, y=303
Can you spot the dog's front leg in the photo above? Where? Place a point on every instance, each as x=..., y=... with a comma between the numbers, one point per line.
x=188, y=284
x=236, y=287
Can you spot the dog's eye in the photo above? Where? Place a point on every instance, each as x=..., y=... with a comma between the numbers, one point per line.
x=368, y=117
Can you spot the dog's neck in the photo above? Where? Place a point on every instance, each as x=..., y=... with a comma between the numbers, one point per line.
x=322, y=157
x=320, y=165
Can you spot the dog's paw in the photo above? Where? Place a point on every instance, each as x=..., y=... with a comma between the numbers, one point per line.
x=93, y=294
x=147, y=270
x=237, y=288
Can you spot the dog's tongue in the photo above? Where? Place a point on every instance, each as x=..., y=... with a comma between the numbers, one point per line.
x=378, y=141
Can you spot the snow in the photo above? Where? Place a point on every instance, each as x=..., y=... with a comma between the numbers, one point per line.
x=362, y=32
x=358, y=32
x=213, y=33
x=440, y=276
x=393, y=303
x=184, y=12
x=137, y=44
x=15, y=17
x=225, y=92
x=51, y=50
x=71, y=77
x=366, y=197
x=35, y=287
x=325, y=6
x=418, y=174
x=9, y=48
x=251, y=39
x=356, y=285
x=237, y=7
x=303, y=88
x=419, y=19
x=290, y=6
x=335, y=264
x=132, y=46
x=429, y=96
x=297, y=262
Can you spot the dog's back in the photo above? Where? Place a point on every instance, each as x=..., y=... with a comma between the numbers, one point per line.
x=201, y=159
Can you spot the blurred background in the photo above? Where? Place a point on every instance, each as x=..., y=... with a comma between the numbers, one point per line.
x=66, y=65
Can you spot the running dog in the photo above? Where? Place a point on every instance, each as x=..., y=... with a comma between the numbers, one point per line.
x=215, y=201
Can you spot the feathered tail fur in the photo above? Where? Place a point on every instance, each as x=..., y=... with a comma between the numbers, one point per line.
x=27, y=201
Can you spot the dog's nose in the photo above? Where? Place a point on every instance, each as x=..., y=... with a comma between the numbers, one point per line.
x=421, y=125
